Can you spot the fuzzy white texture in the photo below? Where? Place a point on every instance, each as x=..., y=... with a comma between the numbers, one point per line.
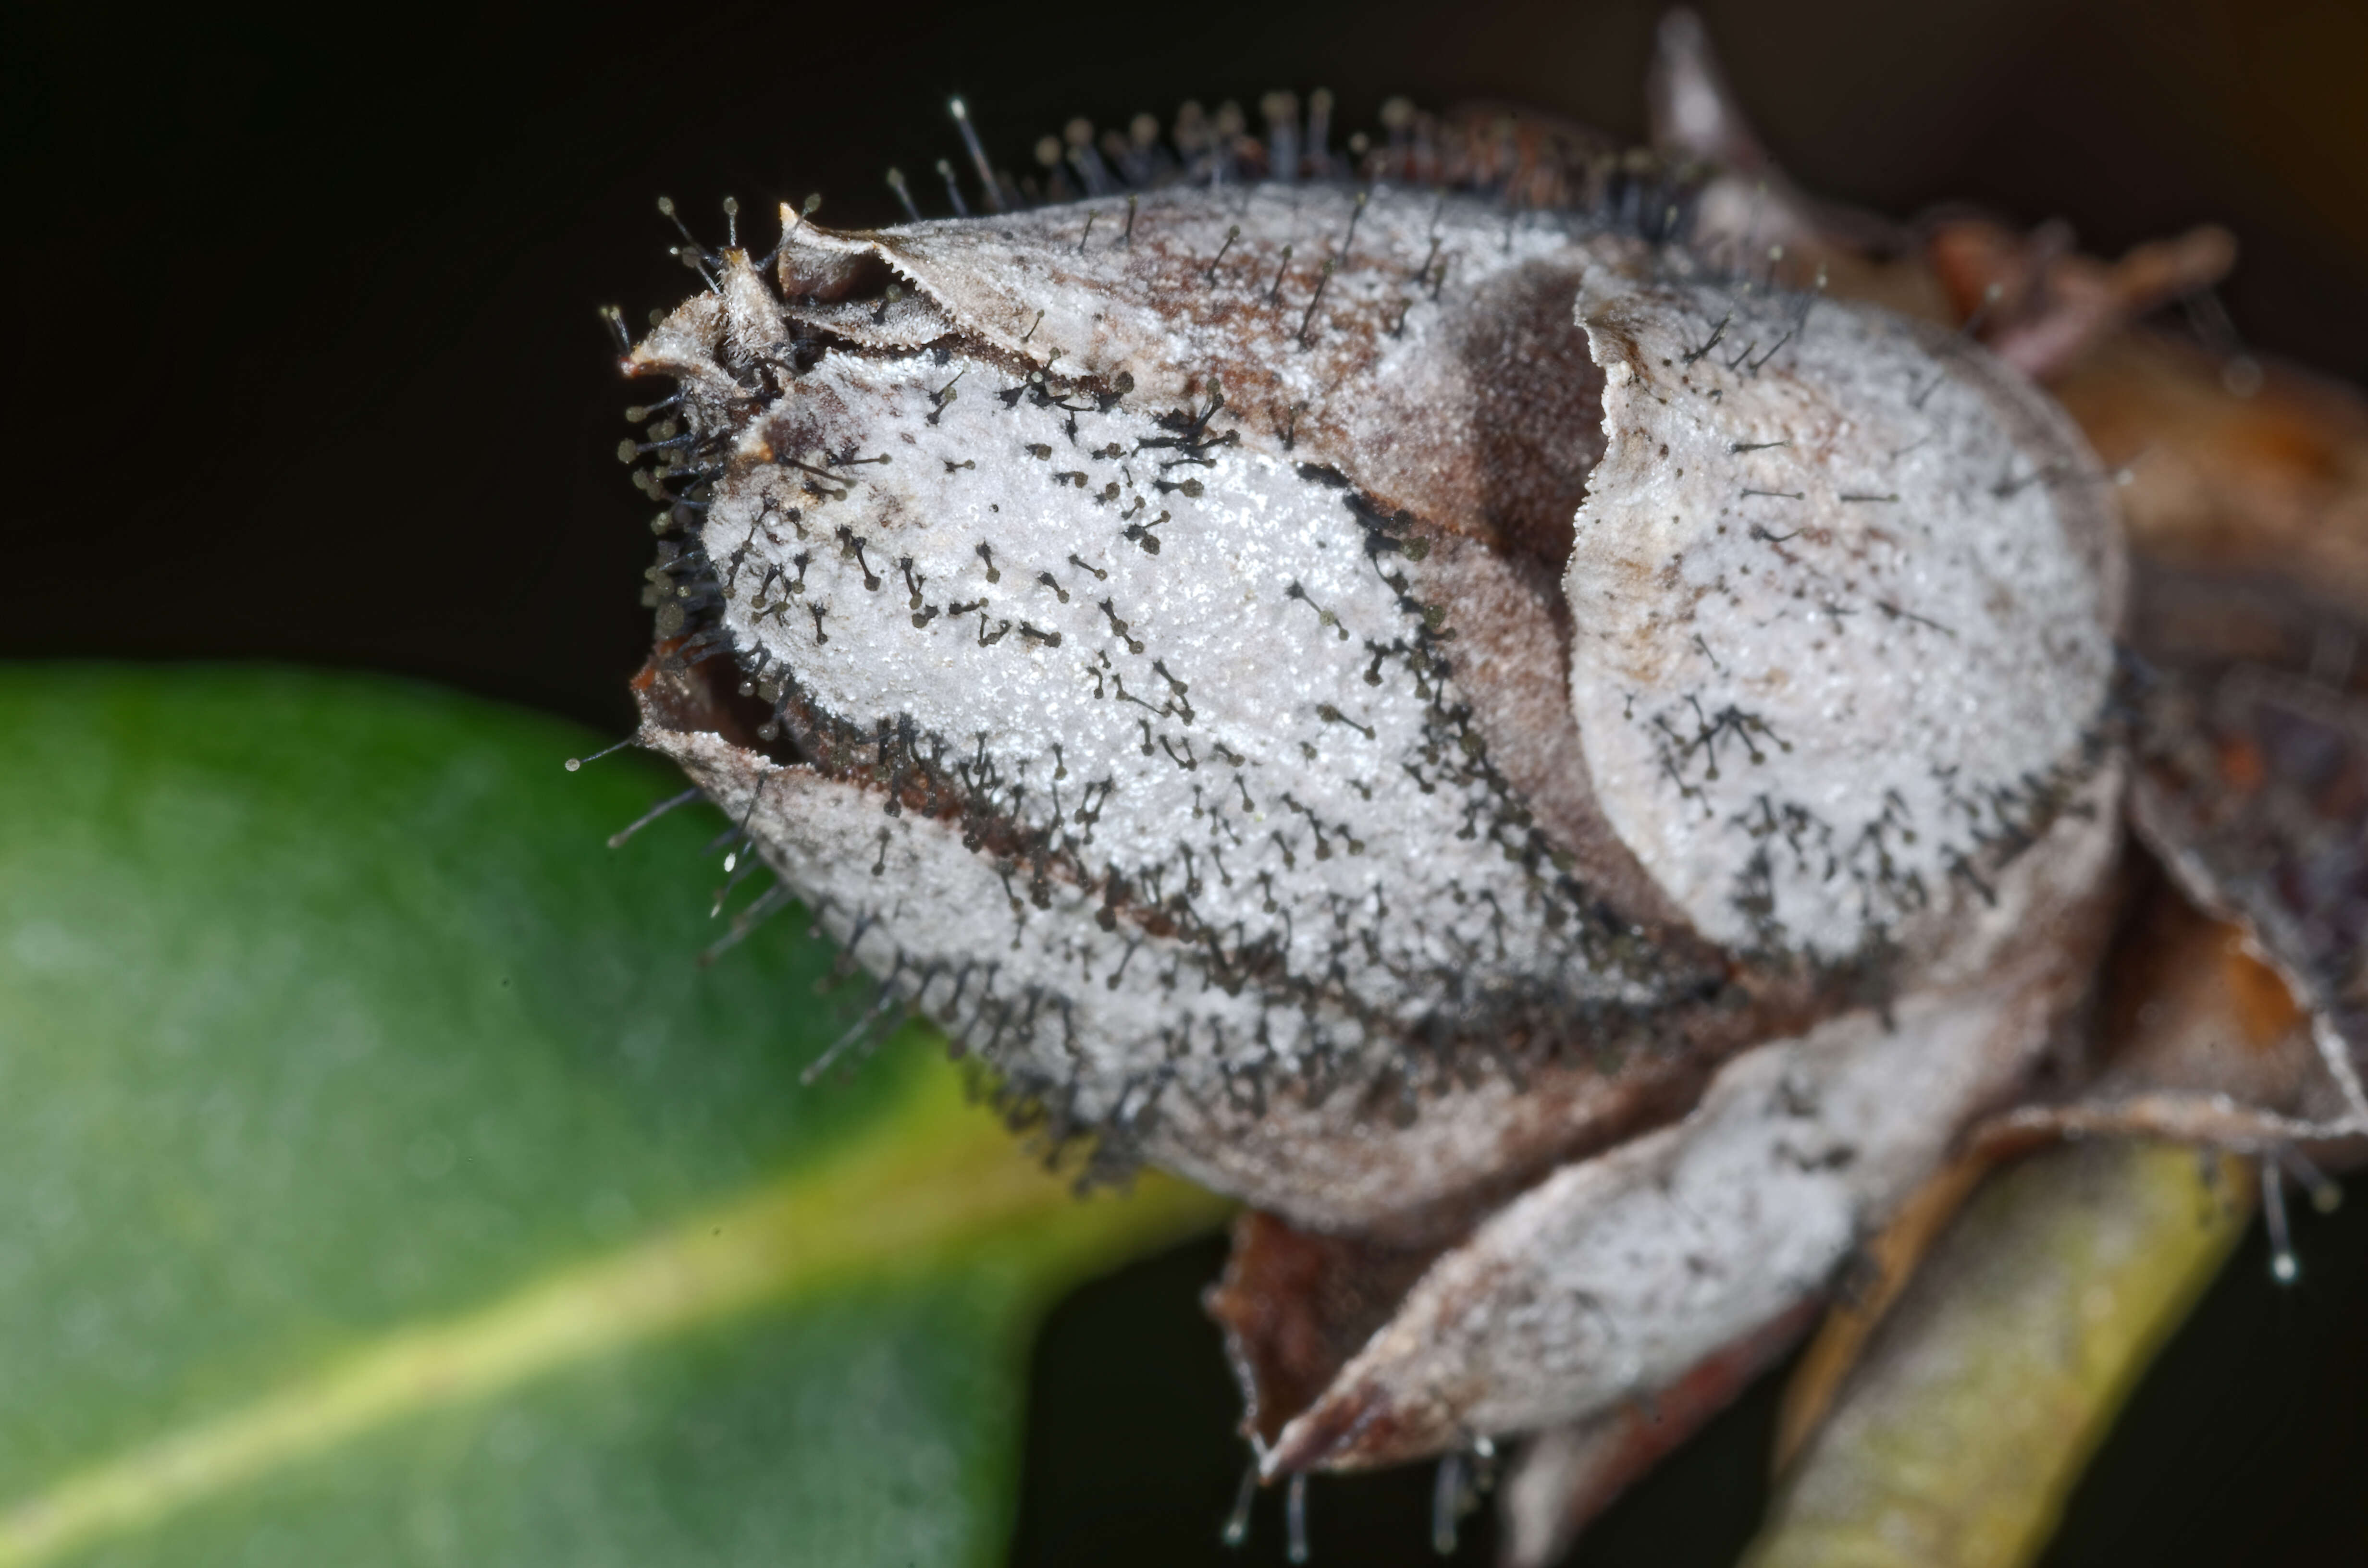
x=1839, y=632
x=1240, y=714
x=1148, y=756
x=1204, y=283
x=1614, y=1276
x=1200, y=728
x=1171, y=628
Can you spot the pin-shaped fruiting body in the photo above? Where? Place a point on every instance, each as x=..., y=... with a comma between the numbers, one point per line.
x=1375, y=701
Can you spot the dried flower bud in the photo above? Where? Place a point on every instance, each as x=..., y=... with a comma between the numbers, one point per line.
x=1367, y=788
x=1368, y=699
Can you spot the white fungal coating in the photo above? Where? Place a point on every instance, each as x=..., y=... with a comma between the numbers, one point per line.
x=1378, y=702
x=1337, y=1162
x=1844, y=596
x=1242, y=729
x=1264, y=772
x=1615, y=1276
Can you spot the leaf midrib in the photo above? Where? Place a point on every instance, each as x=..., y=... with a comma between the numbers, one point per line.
x=872, y=1210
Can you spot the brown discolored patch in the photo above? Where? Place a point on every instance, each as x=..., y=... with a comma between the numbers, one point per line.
x=1296, y=1305
x=2242, y=767
x=2194, y=1039
x=1537, y=408
x=1512, y=656
x=2273, y=483
x=2041, y=306
x=2262, y=1002
x=703, y=697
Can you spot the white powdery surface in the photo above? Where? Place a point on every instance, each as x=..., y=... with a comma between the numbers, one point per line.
x=1613, y=1278
x=1843, y=592
x=1196, y=719
x=1245, y=816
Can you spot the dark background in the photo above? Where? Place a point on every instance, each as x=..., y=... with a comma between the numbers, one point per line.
x=308, y=370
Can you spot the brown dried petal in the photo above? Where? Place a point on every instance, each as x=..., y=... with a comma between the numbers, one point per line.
x=1296, y=1305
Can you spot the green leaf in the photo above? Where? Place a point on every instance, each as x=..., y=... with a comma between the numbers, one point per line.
x=387, y=1182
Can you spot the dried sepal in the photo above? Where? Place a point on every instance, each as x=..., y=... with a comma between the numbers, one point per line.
x=1843, y=596
x=1616, y=1276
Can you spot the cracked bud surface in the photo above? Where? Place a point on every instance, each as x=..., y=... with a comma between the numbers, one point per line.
x=1373, y=701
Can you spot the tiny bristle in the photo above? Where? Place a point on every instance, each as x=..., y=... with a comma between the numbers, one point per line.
x=1446, y=1504
x=618, y=839
x=2283, y=1266
x=903, y=194
x=989, y=187
x=1237, y=1522
x=577, y=763
x=954, y=189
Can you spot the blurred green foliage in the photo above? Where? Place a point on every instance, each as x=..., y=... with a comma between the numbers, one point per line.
x=387, y=1182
